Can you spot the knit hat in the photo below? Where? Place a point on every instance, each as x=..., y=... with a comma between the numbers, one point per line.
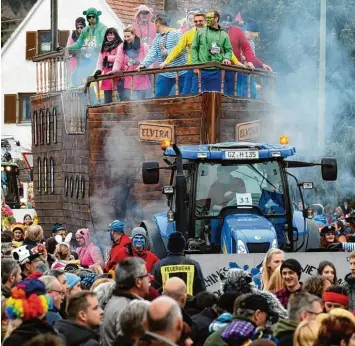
x=139, y=231
x=254, y=301
x=116, y=226
x=333, y=297
x=19, y=226
x=327, y=229
x=87, y=280
x=80, y=20
x=72, y=279
x=28, y=300
x=293, y=265
x=176, y=242
x=238, y=280
x=252, y=25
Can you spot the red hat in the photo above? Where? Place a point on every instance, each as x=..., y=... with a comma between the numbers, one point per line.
x=333, y=297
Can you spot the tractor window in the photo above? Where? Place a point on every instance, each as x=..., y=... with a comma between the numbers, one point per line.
x=9, y=186
x=257, y=184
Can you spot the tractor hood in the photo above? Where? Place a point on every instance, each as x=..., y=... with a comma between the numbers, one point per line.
x=165, y=228
x=252, y=232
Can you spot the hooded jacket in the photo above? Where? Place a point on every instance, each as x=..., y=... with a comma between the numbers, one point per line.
x=77, y=335
x=349, y=285
x=89, y=254
x=284, y=331
x=113, y=259
x=145, y=31
x=201, y=322
x=28, y=330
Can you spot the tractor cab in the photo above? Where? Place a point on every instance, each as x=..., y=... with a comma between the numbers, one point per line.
x=10, y=184
x=230, y=197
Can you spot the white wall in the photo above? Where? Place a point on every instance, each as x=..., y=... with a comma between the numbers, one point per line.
x=19, y=75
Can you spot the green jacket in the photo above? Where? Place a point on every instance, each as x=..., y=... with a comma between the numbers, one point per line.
x=203, y=41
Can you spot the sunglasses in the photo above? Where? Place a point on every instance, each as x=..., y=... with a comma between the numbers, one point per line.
x=144, y=12
x=79, y=27
x=91, y=17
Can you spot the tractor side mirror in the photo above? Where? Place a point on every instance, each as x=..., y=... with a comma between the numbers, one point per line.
x=329, y=169
x=150, y=172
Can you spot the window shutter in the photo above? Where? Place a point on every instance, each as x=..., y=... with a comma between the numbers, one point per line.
x=63, y=37
x=10, y=109
x=31, y=38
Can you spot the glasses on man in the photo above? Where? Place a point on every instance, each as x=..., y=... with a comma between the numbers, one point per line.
x=91, y=17
x=56, y=291
x=79, y=27
x=151, y=277
x=144, y=12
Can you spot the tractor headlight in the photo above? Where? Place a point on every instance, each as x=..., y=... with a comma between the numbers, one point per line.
x=241, y=247
x=274, y=244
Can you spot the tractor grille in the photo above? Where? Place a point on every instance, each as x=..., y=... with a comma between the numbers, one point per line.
x=258, y=247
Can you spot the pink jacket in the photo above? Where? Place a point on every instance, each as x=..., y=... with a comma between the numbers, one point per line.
x=122, y=64
x=107, y=84
x=146, y=32
x=89, y=254
x=73, y=60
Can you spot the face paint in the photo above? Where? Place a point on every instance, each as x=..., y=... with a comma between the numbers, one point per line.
x=210, y=19
x=138, y=242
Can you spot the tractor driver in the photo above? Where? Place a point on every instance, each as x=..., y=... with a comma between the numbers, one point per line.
x=223, y=190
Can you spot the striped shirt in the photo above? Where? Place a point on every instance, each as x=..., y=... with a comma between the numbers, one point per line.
x=168, y=40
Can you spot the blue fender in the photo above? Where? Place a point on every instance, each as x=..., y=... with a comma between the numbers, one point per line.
x=254, y=232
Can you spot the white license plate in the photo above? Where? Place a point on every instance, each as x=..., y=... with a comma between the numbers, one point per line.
x=241, y=154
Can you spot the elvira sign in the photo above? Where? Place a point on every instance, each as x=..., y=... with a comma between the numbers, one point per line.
x=155, y=132
x=247, y=131
x=213, y=266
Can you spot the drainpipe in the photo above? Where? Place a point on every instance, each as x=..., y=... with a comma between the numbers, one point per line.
x=54, y=24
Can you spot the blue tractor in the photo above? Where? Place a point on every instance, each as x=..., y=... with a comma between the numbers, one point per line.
x=233, y=197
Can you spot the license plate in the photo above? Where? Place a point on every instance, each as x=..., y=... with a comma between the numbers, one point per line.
x=241, y=155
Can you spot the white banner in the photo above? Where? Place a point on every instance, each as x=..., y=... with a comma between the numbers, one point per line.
x=213, y=265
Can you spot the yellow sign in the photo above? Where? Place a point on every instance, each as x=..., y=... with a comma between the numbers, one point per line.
x=186, y=270
x=247, y=131
x=150, y=132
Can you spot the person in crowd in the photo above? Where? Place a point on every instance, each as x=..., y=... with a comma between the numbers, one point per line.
x=163, y=323
x=34, y=235
x=6, y=244
x=104, y=292
x=291, y=271
x=73, y=282
x=275, y=283
x=28, y=304
x=336, y=329
x=119, y=240
x=46, y=340
x=302, y=306
x=340, y=230
x=55, y=291
x=211, y=44
x=202, y=321
x=185, y=338
x=131, y=322
x=89, y=254
x=10, y=276
x=28, y=221
x=176, y=264
x=316, y=285
x=7, y=215
x=27, y=256
x=62, y=252
x=199, y=302
x=57, y=229
x=84, y=316
x=87, y=280
x=129, y=56
x=132, y=282
x=137, y=249
x=328, y=236
x=327, y=270
x=252, y=30
x=350, y=230
x=186, y=42
x=80, y=24
x=349, y=281
x=273, y=259
x=251, y=311
x=306, y=333
x=166, y=39
x=335, y=297
x=337, y=215
x=18, y=229
x=144, y=28
x=112, y=41
x=41, y=267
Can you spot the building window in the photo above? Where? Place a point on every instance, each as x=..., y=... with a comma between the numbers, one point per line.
x=35, y=128
x=39, y=177
x=25, y=107
x=82, y=183
x=54, y=125
x=51, y=174
x=48, y=135
x=77, y=187
x=44, y=41
x=45, y=175
x=66, y=186
x=41, y=126
x=71, y=186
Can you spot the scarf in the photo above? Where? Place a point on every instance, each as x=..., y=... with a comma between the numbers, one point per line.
x=132, y=49
x=110, y=45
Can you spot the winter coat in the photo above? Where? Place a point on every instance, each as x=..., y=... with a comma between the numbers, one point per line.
x=112, y=259
x=89, y=254
x=77, y=335
x=201, y=323
x=146, y=32
x=52, y=316
x=124, y=63
x=349, y=285
x=203, y=41
x=111, y=327
x=28, y=330
x=109, y=84
x=162, y=272
x=5, y=291
x=152, y=339
x=284, y=331
x=148, y=256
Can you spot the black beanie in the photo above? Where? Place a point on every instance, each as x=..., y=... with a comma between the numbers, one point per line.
x=292, y=264
x=176, y=242
x=226, y=301
x=80, y=20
